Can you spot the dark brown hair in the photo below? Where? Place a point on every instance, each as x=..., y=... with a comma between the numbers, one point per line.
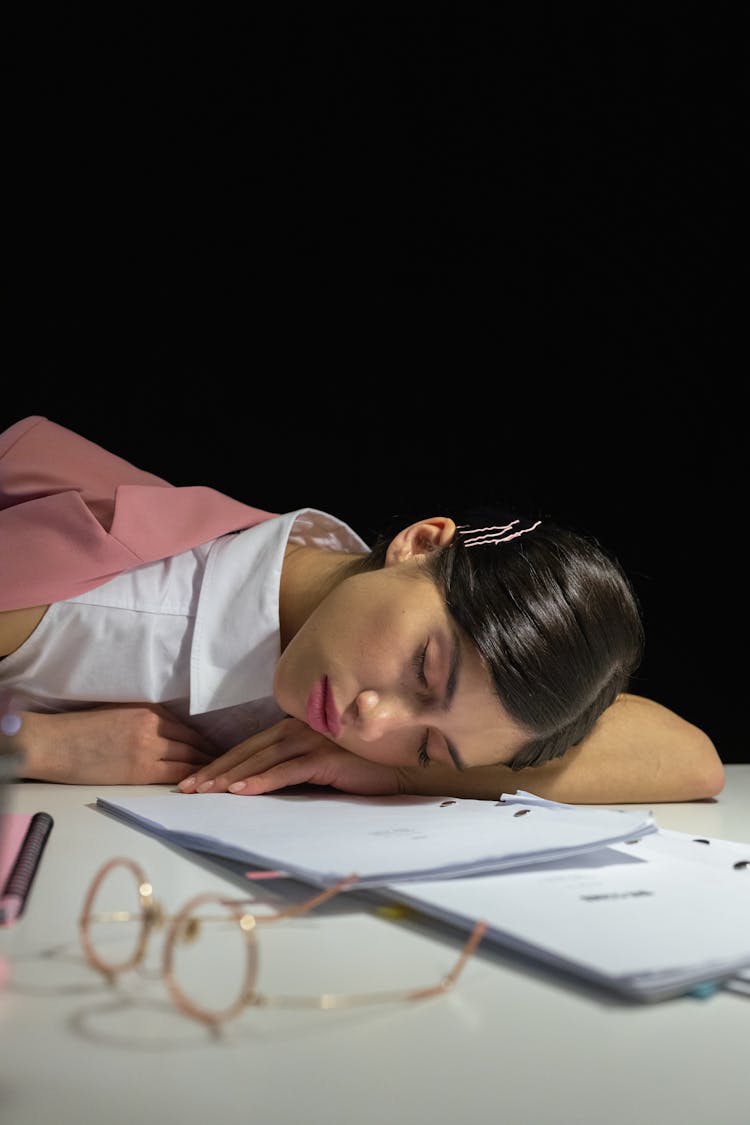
x=555, y=620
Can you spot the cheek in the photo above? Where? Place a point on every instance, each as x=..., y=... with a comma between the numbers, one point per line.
x=386, y=751
x=289, y=679
x=280, y=686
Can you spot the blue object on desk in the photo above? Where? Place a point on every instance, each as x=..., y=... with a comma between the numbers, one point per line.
x=704, y=990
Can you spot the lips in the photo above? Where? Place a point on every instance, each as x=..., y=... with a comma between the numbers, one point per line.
x=321, y=712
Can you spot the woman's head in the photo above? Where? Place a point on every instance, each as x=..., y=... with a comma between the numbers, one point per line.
x=441, y=644
x=552, y=615
x=554, y=619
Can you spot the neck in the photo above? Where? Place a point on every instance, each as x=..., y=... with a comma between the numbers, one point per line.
x=308, y=574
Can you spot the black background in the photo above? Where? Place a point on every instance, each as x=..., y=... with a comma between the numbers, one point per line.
x=383, y=264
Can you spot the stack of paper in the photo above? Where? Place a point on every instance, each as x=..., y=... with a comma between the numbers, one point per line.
x=650, y=919
x=600, y=893
x=322, y=838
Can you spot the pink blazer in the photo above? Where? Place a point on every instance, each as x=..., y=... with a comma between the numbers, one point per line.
x=73, y=515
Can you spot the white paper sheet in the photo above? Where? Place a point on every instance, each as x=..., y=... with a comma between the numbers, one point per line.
x=649, y=919
x=321, y=838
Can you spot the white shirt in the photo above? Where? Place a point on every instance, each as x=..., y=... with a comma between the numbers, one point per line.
x=197, y=632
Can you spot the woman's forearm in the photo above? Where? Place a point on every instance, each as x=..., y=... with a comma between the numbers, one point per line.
x=111, y=744
x=41, y=750
x=639, y=752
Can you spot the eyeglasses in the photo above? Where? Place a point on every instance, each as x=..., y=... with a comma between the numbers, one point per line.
x=101, y=931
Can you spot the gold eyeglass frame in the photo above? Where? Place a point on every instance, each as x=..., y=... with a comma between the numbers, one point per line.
x=184, y=925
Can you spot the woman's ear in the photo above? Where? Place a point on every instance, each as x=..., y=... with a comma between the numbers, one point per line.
x=419, y=539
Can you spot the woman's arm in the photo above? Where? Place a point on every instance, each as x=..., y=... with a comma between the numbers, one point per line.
x=17, y=625
x=639, y=752
x=115, y=744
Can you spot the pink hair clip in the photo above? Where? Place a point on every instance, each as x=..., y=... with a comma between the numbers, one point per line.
x=483, y=537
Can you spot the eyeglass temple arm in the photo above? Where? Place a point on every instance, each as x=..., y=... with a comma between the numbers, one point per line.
x=331, y=1000
x=310, y=903
x=450, y=978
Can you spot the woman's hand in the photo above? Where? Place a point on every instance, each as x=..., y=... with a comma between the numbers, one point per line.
x=290, y=753
x=117, y=744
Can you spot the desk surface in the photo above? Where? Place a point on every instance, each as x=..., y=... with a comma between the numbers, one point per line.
x=513, y=1043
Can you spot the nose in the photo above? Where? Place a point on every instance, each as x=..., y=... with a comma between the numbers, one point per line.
x=380, y=713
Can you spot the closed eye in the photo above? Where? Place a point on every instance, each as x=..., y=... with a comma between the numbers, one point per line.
x=418, y=664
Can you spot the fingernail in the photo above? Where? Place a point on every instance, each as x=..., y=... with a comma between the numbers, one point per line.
x=188, y=783
x=237, y=787
x=204, y=788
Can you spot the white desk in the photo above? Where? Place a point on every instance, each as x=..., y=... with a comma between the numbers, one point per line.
x=511, y=1045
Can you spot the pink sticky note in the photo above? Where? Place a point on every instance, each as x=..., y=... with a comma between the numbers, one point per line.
x=13, y=828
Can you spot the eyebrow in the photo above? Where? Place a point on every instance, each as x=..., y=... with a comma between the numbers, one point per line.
x=448, y=697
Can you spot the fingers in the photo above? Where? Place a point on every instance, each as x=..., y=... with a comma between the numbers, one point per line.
x=295, y=771
x=206, y=777
x=177, y=733
x=289, y=753
x=178, y=751
x=256, y=755
x=217, y=778
x=169, y=772
x=333, y=767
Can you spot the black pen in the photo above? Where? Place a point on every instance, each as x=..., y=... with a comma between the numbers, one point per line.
x=18, y=884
